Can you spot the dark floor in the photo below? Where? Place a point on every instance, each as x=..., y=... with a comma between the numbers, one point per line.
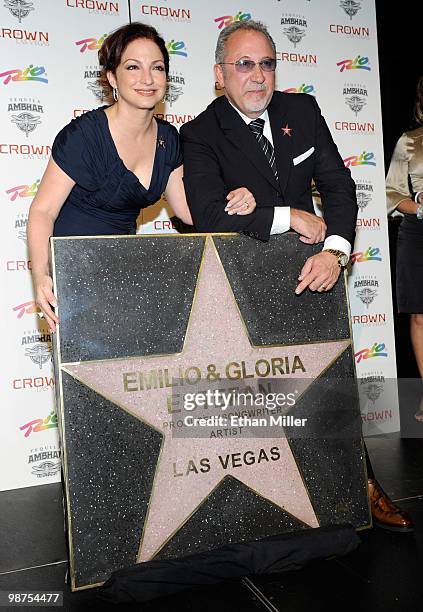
x=384, y=573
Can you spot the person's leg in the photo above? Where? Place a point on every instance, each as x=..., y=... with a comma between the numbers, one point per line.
x=416, y=333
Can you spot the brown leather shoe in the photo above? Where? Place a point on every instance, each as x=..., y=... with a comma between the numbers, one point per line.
x=385, y=513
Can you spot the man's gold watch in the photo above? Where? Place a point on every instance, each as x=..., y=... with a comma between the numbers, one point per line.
x=340, y=255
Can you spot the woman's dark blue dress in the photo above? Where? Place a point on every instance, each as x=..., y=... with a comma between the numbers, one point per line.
x=107, y=197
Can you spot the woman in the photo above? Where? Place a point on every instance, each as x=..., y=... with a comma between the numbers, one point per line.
x=113, y=161
x=404, y=191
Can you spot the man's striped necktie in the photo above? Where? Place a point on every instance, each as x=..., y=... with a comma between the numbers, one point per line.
x=257, y=127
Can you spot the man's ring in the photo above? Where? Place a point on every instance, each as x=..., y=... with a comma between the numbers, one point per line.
x=323, y=287
x=246, y=205
x=40, y=315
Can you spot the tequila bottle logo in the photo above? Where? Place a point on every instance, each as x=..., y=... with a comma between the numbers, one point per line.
x=39, y=353
x=19, y=8
x=26, y=122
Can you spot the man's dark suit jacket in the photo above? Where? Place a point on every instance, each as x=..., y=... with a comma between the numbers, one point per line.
x=221, y=154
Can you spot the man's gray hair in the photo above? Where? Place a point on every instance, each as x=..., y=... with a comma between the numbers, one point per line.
x=255, y=26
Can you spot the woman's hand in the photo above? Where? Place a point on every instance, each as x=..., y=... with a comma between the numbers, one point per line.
x=46, y=300
x=240, y=202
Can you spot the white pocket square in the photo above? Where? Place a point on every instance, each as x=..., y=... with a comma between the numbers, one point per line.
x=303, y=156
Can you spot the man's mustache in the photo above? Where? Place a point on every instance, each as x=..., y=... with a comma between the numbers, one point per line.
x=262, y=87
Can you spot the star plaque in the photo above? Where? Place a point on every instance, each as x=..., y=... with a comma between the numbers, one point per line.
x=127, y=444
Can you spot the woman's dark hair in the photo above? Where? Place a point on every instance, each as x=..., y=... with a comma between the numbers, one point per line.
x=111, y=51
x=418, y=106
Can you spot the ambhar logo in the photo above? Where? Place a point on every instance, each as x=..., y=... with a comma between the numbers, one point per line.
x=358, y=63
x=367, y=295
x=294, y=34
x=295, y=28
x=370, y=254
x=26, y=122
x=363, y=200
x=32, y=73
x=372, y=385
x=90, y=44
x=364, y=159
x=225, y=20
x=356, y=103
x=372, y=391
x=97, y=90
x=46, y=469
x=19, y=8
x=174, y=89
x=94, y=85
x=377, y=350
x=355, y=97
x=350, y=7
x=45, y=461
x=364, y=192
x=367, y=289
x=39, y=353
x=20, y=224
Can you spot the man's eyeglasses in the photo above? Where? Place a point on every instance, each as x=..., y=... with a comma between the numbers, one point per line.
x=247, y=65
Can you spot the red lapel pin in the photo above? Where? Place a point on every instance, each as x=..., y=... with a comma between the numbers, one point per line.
x=286, y=130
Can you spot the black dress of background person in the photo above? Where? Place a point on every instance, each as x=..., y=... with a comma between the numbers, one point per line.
x=404, y=192
x=109, y=163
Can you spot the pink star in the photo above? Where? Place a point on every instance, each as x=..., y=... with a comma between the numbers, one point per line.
x=177, y=491
x=286, y=130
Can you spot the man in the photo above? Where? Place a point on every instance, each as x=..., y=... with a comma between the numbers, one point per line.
x=249, y=162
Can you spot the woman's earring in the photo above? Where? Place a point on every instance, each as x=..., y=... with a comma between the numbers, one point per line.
x=115, y=94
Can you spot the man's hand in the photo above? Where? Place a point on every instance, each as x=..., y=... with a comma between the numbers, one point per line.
x=312, y=229
x=320, y=272
x=240, y=202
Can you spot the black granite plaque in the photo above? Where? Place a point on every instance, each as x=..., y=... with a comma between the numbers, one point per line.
x=143, y=320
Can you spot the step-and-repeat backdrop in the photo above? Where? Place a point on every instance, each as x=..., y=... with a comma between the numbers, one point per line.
x=48, y=75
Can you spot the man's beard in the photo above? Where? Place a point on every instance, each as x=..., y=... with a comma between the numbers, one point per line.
x=259, y=105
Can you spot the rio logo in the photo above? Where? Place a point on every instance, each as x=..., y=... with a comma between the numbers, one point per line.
x=377, y=350
x=370, y=254
x=303, y=88
x=37, y=425
x=90, y=44
x=358, y=63
x=25, y=308
x=365, y=159
x=176, y=47
x=32, y=73
x=225, y=20
x=23, y=191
